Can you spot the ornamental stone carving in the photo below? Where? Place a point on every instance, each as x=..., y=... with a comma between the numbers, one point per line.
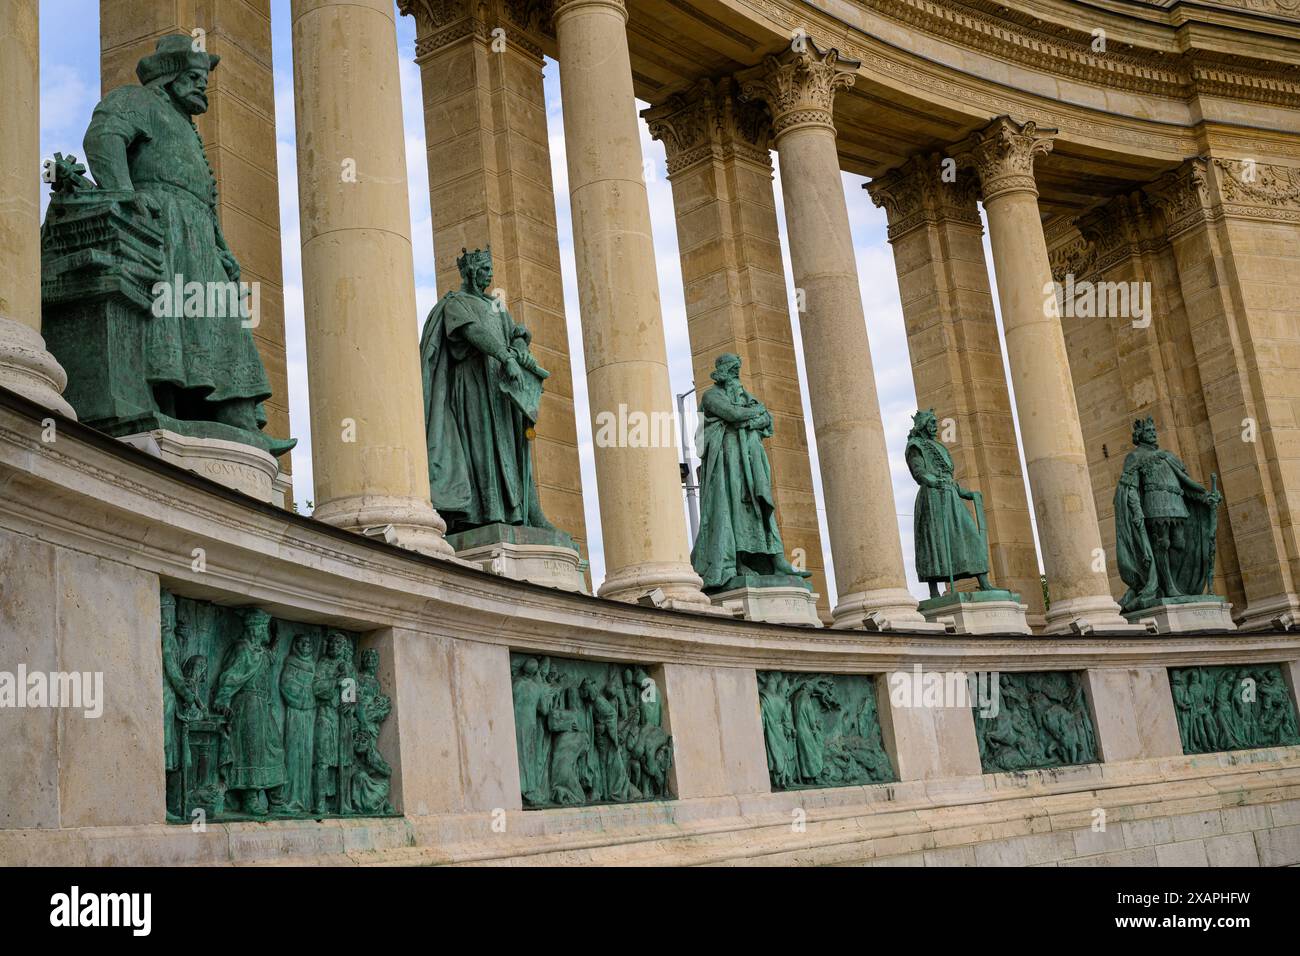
x=1002, y=154
x=709, y=122
x=1182, y=196
x=921, y=192
x=799, y=86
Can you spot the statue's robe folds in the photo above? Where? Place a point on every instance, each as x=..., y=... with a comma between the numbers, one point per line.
x=1155, y=483
x=252, y=752
x=737, y=508
x=213, y=355
x=296, y=679
x=949, y=545
x=778, y=735
x=480, y=467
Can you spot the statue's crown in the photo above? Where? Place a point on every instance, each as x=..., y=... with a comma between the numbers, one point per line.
x=468, y=261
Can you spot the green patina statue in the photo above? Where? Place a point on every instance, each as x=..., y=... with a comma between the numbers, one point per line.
x=290, y=729
x=1041, y=720
x=950, y=543
x=1233, y=708
x=588, y=732
x=482, y=390
x=739, y=544
x=1165, y=525
x=821, y=730
x=142, y=299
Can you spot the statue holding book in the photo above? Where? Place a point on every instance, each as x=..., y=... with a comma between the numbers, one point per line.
x=482, y=388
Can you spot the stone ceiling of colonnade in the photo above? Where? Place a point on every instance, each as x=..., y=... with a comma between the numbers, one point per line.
x=1172, y=74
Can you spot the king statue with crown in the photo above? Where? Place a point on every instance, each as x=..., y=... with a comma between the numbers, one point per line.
x=482, y=392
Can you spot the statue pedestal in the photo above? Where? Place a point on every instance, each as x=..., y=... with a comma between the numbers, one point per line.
x=538, y=555
x=1199, y=614
x=977, y=612
x=238, y=466
x=770, y=598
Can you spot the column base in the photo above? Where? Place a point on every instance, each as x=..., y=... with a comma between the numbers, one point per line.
x=770, y=603
x=26, y=367
x=1205, y=614
x=1094, y=614
x=241, y=467
x=1277, y=614
x=406, y=522
x=978, y=612
x=666, y=584
x=536, y=555
x=890, y=609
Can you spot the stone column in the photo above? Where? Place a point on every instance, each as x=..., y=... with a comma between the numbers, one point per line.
x=720, y=167
x=239, y=136
x=641, y=513
x=1079, y=590
x=367, y=416
x=490, y=182
x=25, y=365
x=799, y=88
x=956, y=352
x=1232, y=223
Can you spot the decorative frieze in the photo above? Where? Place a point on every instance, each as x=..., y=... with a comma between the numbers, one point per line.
x=442, y=22
x=921, y=192
x=266, y=717
x=1038, y=720
x=1182, y=196
x=1002, y=154
x=709, y=122
x=588, y=732
x=822, y=730
x=1235, y=707
x=799, y=86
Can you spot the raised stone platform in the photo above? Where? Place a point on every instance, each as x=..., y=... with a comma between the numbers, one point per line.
x=770, y=598
x=977, y=612
x=235, y=465
x=1202, y=614
x=540, y=555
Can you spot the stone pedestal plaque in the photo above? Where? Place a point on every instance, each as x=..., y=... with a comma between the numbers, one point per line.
x=771, y=604
x=1205, y=613
x=233, y=464
x=539, y=555
x=978, y=612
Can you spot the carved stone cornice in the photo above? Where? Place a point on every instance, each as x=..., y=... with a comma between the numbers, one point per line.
x=917, y=194
x=1002, y=154
x=709, y=123
x=799, y=86
x=1182, y=196
x=439, y=23
x=1072, y=257
x=1118, y=229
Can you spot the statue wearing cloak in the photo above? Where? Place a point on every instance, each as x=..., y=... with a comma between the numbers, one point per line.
x=738, y=532
x=252, y=755
x=950, y=544
x=143, y=149
x=482, y=388
x=1165, y=525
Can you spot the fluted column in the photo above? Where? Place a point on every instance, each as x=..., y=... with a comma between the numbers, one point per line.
x=956, y=351
x=720, y=166
x=799, y=88
x=1003, y=156
x=642, y=520
x=367, y=416
x=26, y=367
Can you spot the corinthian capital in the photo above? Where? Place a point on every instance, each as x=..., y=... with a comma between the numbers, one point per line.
x=708, y=122
x=799, y=86
x=921, y=191
x=1003, y=155
x=1182, y=195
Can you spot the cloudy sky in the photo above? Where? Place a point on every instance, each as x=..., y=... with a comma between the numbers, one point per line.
x=70, y=89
